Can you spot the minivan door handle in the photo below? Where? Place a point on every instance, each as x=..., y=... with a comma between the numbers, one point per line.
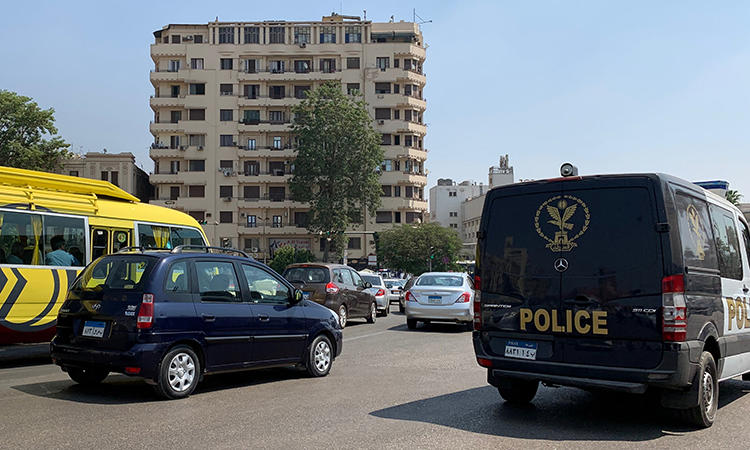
x=208, y=318
x=745, y=289
x=264, y=318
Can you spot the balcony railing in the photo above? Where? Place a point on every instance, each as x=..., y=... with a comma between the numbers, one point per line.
x=259, y=121
x=292, y=70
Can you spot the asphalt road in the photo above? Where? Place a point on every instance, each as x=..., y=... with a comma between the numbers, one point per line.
x=391, y=388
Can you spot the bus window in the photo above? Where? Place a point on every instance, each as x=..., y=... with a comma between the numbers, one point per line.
x=185, y=236
x=36, y=239
x=157, y=236
x=99, y=243
x=119, y=240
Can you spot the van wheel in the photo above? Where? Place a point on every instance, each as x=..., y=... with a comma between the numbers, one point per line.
x=319, y=357
x=704, y=413
x=88, y=376
x=411, y=324
x=179, y=372
x=373, y=313
x=342, y=315
x=517, y=392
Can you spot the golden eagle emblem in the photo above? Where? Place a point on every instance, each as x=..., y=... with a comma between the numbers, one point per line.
x=561, y=209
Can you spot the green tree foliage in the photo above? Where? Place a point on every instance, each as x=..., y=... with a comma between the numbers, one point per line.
x=338, y=153
x=734, y=197
x=23, y=128
x=408, y=248
x=289, y=255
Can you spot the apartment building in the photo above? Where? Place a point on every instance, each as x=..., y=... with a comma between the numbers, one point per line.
x=446, y=199
x=223, y=148
x=117, y=168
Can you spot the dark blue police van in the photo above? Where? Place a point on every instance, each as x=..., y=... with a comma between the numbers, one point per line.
x=173, y=316
x=624, y=282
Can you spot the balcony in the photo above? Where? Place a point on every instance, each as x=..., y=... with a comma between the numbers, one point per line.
x=412, y=128
x=166, y=178
x=266, y=202
x=409, y=49
x=167, y=50
x=288, y=75
x=403, y=152
x=266, y=151
x=164, y=75
x=163, y=101
x=163, y=127
x=399, y=177
x=409, y=101
x=166, y=152
x=265, y=177
x=412, y=76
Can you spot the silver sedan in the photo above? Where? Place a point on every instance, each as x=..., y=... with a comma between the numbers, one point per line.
x=440, y=297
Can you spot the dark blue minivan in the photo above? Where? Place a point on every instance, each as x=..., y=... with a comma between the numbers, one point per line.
x=171, y=316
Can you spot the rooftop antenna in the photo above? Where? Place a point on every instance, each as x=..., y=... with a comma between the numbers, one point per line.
x=416, y=16
x=365, y=11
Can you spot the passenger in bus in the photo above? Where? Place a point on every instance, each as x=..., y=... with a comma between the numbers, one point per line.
x=77, y=254
x=59, y=256
x=16, y=253
x=2, y=256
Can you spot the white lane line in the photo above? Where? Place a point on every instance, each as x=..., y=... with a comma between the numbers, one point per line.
x=364, y=336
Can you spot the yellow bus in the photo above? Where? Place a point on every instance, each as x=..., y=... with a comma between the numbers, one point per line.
x=52, y=225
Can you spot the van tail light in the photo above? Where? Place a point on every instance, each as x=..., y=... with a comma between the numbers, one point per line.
x=379, y=293
x=464, y=298
x=674, y=308
x=146, y=312
x=410, y=297
x=331, y=288
x=477, y=303
x=484, y=362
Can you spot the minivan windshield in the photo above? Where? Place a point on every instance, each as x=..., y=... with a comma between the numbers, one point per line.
x=307, y=275
x=115, y=272
x=440, y=280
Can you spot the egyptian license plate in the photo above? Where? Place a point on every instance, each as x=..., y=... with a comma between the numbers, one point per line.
x=306, y=296
x=520, y=349
x=394, y=292
x=94, y=329
x=434, y=299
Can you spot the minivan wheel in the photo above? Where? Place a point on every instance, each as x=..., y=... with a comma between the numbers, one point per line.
x=87, y=377
x=517, y=392
x=704, y=413
x=411, y=324
x=342, y=315
x=319, y=357
x=179, y=372
x=373, y=313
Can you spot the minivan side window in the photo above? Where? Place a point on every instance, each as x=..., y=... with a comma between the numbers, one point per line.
x=697, y=240
x=343, y=276
x=264, y=287
x=217, y=281
x=727, y=243
x=745, y=238
x=178, y=278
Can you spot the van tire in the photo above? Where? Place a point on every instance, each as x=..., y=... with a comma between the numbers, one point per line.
x=87, y=377
x=319, y=357
x=180, y=355
x=704, y=414
x=517, y=392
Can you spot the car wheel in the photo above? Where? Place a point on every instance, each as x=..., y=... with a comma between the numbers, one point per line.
x=400, y=307
x=411, y=324
x=342, y=315
x=517, y=392
x=373, y=313
x=320, y=357
x=387, y=309
x=704, y=413
x=87, y=377
x=179, y=372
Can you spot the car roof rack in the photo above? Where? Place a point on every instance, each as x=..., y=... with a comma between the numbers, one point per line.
x=208, y=249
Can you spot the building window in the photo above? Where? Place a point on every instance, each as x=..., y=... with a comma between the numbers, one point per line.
x=197, y=165
x=226, y=63
x=301, y=219
x=175, y=38
x=225, y=115
x=412, y=217
x=114, y=178
x=386, y=191
x=174, y=65
x=252, y=35
x=226, y=140
x=252, y=221
x=104, y=176
x=353, y=34
x=354, y=243
x=302, y=35
x=175, y=116
x=451, y=193
x=174, y=167
x=200, y=216
x=409, y=191
x=225, y=191
x=328, y=65
x=197, y=191
x=276, y=66
x=226, y=164
x=352, y=88
x=301, y=91
x=397, y=193
x=397, y=217
x=302, y=65
x=174, y=141
x=197, y=89
x=251, y=168
x=277, y=142
x=276, y=92
x=382, y=88
x=197, y=140
x=276, y=116
x=277, y=223
x=226, y=35
x=383, y=113
x=225, y=217
x=252, y=91
x=383, y=217
x=453, y=225
x=386, y=166
x=196, y=63
x=251, y=192
x=251, y=144
x=328, y=35
x=197, y=38
x=276, y=35
x=174, y=192
x=197, y=114
x=73, y=173
x=352, y=63
x=251, y=116
x=383, y=63
x=385, y=139
x=251, y=66
x=226, y=89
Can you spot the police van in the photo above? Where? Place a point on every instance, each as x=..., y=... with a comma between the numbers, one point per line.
x=625, y=282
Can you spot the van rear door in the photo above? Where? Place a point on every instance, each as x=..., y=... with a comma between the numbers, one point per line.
x=611, y=285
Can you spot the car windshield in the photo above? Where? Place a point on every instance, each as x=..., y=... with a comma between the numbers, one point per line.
x=440, y=280
x=115, y=272
x=393, y=283
x=375, y=281
x=307, y=275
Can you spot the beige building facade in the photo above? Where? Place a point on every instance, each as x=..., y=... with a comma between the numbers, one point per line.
x=117, y=168
x=223, y=149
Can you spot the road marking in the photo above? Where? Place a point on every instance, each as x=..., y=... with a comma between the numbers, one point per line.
x=364, y=336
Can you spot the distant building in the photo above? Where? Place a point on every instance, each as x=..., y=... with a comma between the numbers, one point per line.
x=117, y=168
x=446, y=199
x=745, y=208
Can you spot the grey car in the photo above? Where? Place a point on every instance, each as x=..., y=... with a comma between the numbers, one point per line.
x=378, y=290
x=440, y=297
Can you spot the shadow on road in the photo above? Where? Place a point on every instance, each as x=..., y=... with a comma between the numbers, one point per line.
x=432, y=327
x=556, y=414
x=121, y=389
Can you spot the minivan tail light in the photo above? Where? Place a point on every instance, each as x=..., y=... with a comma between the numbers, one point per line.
x=674, y=309
x=464, y=298
x=410, y=297
x=331, y=288
x=146, y=312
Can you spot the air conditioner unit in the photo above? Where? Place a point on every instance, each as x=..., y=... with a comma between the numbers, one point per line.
x=302, y=45
x=381, y=96
x=227, y=199
x=381, y=122
x=187, y=38
x=254, y=249
x=183, y=147
x=200, y=147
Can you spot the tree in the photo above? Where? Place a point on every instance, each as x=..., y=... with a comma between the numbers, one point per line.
x=23, y=127
x=338, y=154
x=412, y=248
x=289, y=255
x=733, y=197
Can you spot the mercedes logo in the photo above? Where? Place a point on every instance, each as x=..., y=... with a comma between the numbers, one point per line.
x=561, y=264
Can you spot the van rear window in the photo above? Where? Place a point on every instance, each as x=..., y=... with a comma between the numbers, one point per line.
x=115, y=272
x=307, y=275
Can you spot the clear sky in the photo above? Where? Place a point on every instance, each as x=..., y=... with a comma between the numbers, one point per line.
x=611, y=86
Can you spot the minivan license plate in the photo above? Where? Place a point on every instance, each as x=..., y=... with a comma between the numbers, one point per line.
x=93, y=329
x=520, y=349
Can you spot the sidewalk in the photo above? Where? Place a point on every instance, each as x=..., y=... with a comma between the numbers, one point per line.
x=24, y=354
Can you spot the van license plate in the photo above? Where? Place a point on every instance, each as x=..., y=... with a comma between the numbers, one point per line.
x=93, y=329
x=434, y=299
x=520, y=349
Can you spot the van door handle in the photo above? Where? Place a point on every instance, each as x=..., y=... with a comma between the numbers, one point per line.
x=745, y=289
x=208, y=318
x=264, y=318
